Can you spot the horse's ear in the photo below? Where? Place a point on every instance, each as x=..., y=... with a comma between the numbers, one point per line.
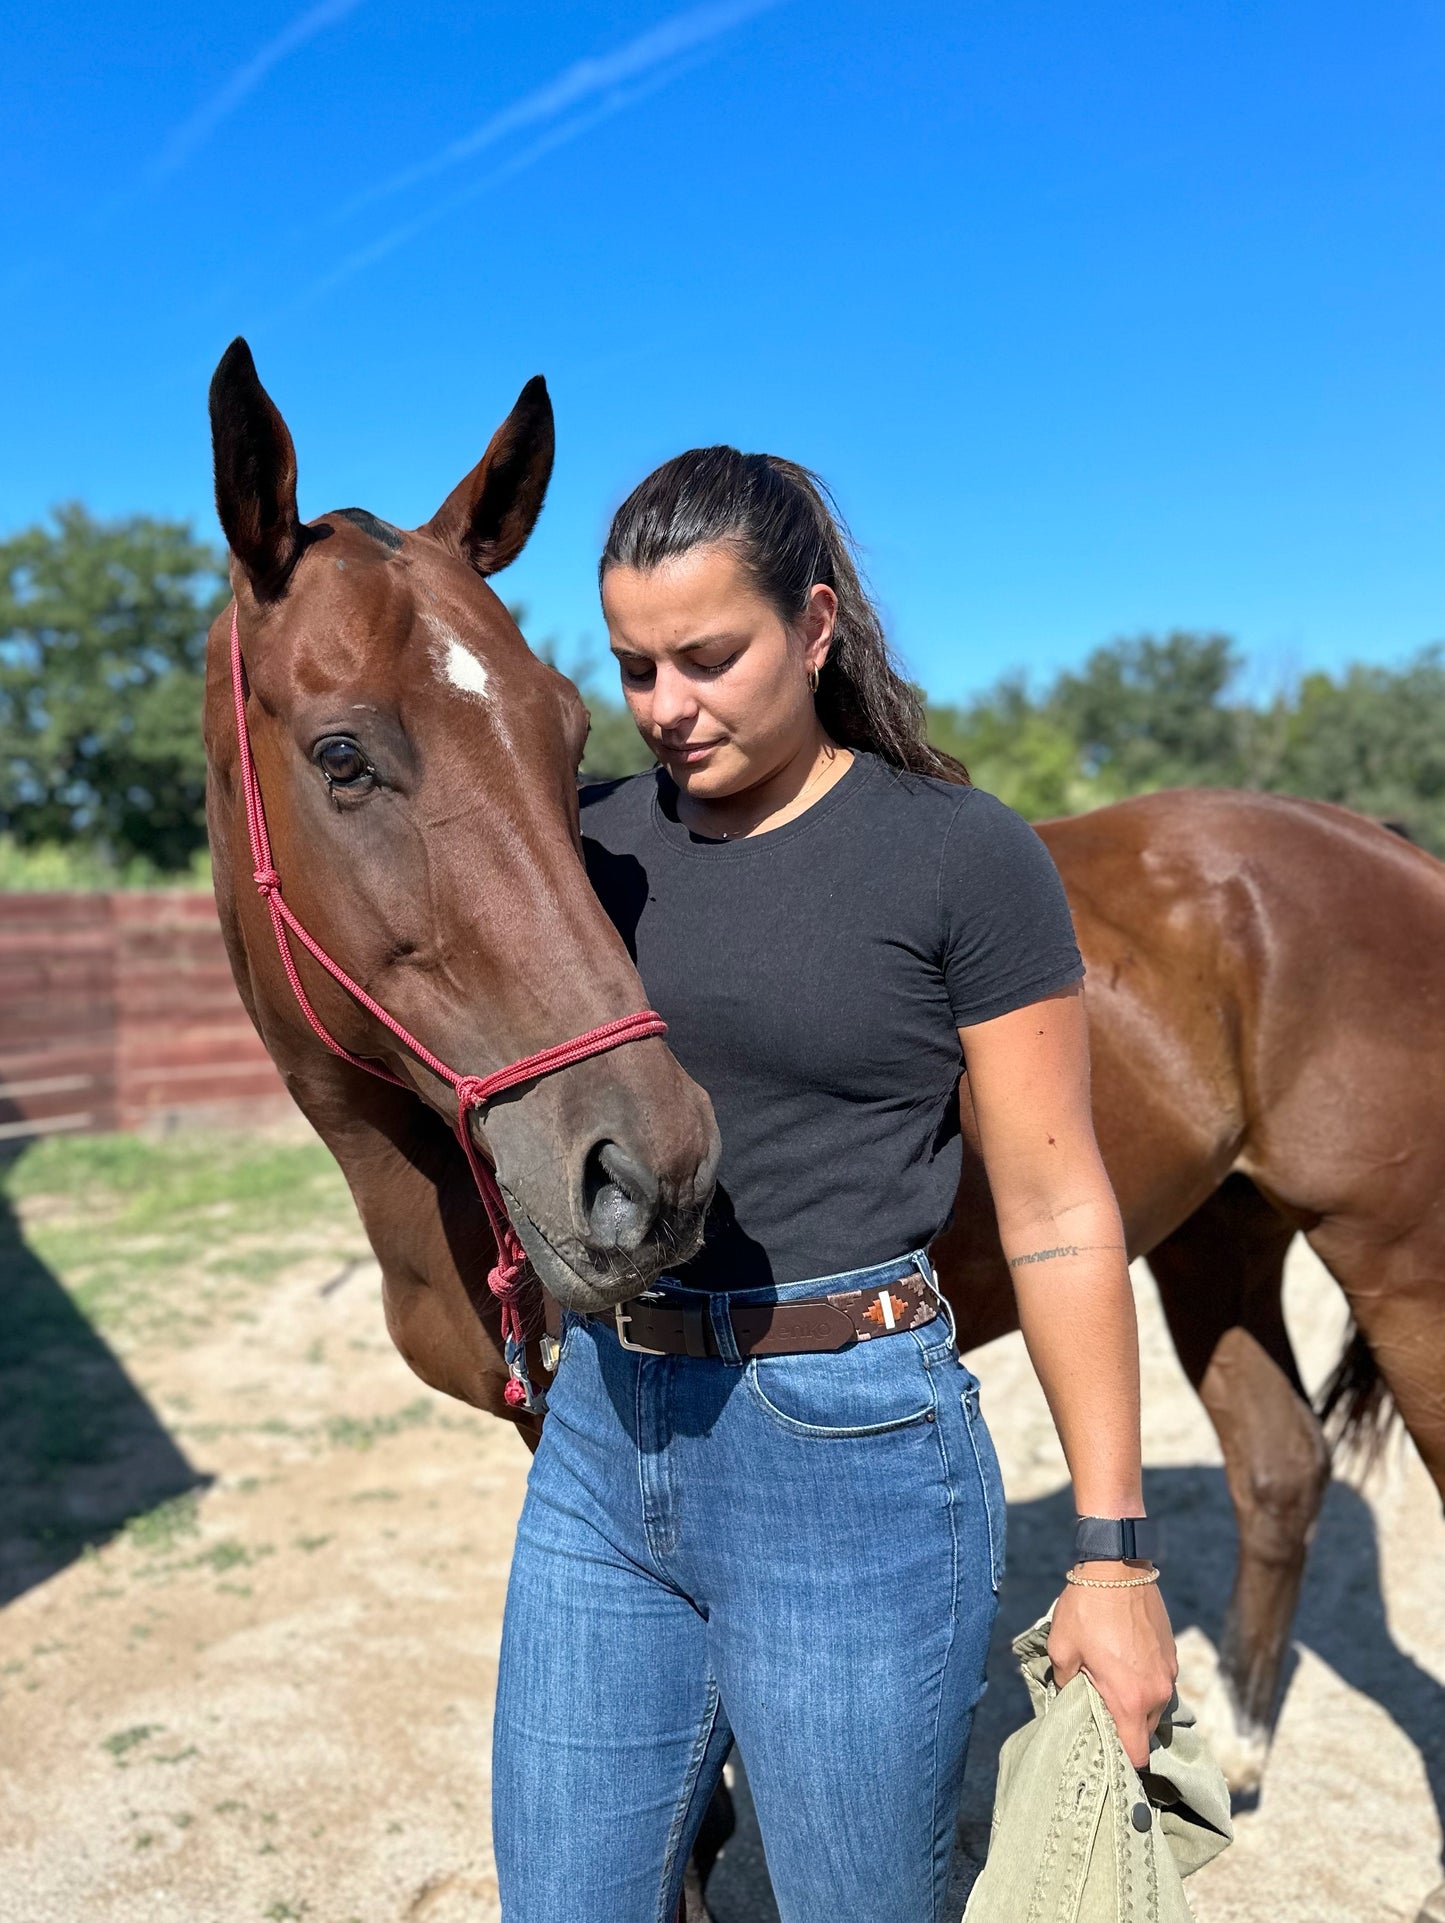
x=486, y=518
x=255, y=474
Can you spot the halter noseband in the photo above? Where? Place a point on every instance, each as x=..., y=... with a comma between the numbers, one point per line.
x=508, y=1275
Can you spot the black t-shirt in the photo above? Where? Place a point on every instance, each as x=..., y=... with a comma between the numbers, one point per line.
x=814, y=979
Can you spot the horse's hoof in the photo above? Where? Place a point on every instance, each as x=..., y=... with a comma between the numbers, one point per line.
x=1237, y=1742
x=1432, y=1910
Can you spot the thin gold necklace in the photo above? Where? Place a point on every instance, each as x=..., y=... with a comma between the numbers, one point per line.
x=808, y=785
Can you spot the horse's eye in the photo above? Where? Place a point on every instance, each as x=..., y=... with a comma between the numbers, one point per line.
x=342, y=762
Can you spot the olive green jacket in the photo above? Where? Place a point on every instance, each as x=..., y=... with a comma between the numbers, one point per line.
x=1077, y=1835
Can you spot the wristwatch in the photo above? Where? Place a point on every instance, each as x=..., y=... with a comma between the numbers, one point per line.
x=1115, y=1539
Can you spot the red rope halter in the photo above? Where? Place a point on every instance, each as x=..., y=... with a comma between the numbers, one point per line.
x=507, y=1276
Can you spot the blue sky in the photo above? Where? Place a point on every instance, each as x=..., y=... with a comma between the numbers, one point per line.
x=1099, y=318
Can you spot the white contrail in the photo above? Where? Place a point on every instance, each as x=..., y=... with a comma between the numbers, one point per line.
x=193, y=133
x=575, y=84
x=612, y=103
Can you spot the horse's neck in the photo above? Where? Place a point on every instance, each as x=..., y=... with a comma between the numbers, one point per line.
x=423, y=1217
x=412, y=1188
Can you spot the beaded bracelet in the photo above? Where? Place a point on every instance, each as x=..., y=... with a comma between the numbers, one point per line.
x=1111, y=1582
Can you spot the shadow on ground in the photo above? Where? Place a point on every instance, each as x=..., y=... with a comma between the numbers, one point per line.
x=81, y=1450
x=1341, y=1618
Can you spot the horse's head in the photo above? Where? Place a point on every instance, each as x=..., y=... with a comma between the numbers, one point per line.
x=418, y=764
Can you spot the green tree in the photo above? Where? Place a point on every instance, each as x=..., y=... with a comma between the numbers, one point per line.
x=614, y=747
x=1374, y=740
x=1016, y=749
x=102, y=649
x=1151, y=714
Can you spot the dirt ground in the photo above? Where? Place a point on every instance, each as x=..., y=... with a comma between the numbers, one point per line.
x=269, y=1697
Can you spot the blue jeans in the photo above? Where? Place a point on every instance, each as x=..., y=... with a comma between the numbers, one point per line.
x=798, y=1552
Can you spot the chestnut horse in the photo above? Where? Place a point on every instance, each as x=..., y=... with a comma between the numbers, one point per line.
x=1266, y=994
x=418, y=769
x=1266, y=997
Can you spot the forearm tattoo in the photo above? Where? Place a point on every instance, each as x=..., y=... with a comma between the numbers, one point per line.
x=1068, y=1248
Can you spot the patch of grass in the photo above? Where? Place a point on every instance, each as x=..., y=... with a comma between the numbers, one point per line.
x=224, y=1556
x=65, y=865
x=363, y=1432
x=280, y=1912
x=158, y=1530
x=245, y=1265
x=146, y=1235
x=125, y=1740
x=312, y=1543
x=150, y=1183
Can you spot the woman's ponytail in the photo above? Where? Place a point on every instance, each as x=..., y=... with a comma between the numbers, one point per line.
x=782, y=523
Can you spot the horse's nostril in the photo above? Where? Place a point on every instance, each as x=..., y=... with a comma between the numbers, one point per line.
x=619, y=1197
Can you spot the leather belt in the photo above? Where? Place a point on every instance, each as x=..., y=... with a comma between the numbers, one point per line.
x=659, y=1324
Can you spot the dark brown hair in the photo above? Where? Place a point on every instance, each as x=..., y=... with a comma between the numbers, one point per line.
x=784, y=526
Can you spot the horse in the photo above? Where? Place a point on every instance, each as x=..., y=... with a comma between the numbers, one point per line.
x=417, y=767
x=1266, y=996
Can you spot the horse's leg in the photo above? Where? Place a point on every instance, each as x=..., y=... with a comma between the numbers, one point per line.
x=1220, y=1278
x=1396, y=1291
x=1395, y=1286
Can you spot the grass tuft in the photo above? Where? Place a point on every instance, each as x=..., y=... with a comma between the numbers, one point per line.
x=363, y=1432
x=125, y=1740
x=155, y=1531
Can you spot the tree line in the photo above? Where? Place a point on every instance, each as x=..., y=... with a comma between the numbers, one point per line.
x=102, y=772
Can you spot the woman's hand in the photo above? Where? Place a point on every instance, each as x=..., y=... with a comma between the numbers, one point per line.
x=1122, y=1641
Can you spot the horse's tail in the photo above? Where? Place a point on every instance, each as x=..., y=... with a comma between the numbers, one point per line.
x=1355, y=1405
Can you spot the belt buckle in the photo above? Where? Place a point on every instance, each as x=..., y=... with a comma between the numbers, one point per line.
x=620, y=1320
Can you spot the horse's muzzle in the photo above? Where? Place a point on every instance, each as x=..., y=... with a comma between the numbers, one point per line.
x=620, y=1200
x=589, y=1273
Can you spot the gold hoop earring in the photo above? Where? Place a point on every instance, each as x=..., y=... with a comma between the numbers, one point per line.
x=813, y=679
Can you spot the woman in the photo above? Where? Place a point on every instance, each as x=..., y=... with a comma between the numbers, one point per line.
x=765, y=1504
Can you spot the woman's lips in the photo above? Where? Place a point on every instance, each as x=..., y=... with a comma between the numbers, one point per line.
x=689, y=752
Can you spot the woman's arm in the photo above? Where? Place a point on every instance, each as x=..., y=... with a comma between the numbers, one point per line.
x=1059, y=1224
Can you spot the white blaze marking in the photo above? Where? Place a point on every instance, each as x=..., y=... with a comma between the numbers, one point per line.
x=463, y=669
x=890, y=1321
x=455, y=661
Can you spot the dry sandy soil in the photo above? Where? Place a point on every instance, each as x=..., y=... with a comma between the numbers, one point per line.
x=270, y=1698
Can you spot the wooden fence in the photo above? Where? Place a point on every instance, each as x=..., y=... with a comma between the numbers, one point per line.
x=118, y=1011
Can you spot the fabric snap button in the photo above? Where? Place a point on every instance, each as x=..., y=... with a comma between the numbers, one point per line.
x=1141, y=1816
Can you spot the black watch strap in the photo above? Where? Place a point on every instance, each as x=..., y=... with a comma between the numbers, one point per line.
x=1115, y=1539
